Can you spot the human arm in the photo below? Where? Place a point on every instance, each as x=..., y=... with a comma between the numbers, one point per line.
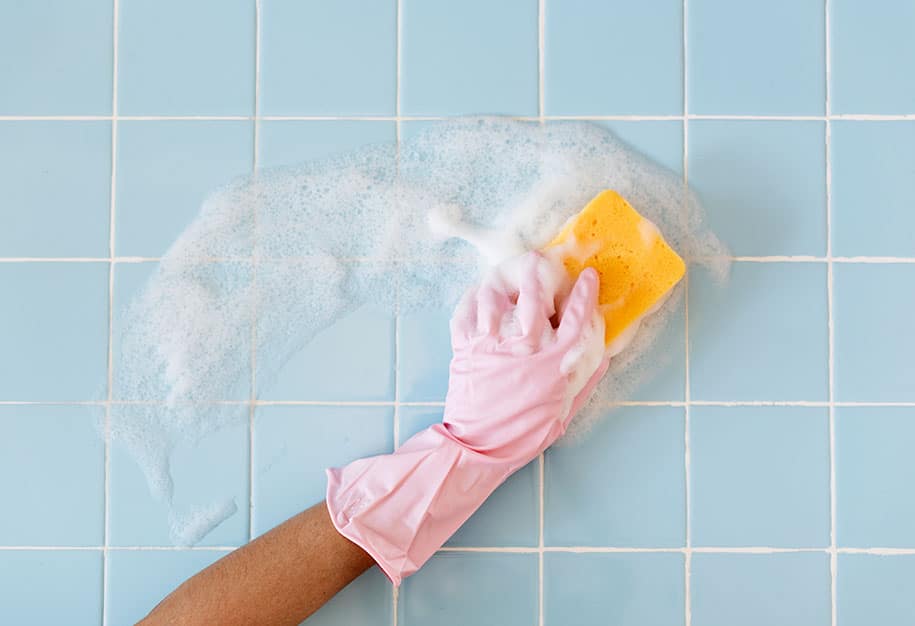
x=280, y=578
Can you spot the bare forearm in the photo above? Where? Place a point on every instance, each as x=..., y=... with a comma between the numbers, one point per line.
x=280, y=578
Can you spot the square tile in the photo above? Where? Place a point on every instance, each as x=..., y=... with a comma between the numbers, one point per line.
x=293, y=445
x=208, y=473
x=466, y=57
x=55, y=182
x=872, y=166
x=425, y=356
x=874, y=589
x=761, y=336
x=763, y=184
x=872, y=49
x=633, y=493
x=130, y=279
x=756, y=58
x=618, y=589
x=57, y=57
x=759, y=476
x=139, y=579
x=613, y=58
x=50, y=587
x=789, y=589
x=874, y=344
x=165, y=171
x=874, y=469
x=288, y=142
x=664, y=379
x=509, y=517
x=328, y=58
x=659, y=140
x=367, y=601
x=460, y=588
x=174, y=58
x=54, y=343
x=351, y=361
x=52, y=460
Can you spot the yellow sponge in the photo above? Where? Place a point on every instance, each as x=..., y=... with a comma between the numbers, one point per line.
x=636, y=266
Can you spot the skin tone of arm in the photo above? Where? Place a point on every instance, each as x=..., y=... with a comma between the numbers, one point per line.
x=280, y=578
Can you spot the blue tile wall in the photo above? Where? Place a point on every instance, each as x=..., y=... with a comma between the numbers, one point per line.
x=593, y=478
x=875, y=589
x=799, y=145
x=206, y=68
x=353, y=361
x=661, y=140
x=139, y=579
x=55, y=340
x=52, y=461
x=872, y=165
x=55, y=183
x=293, y=445
x=872, y=48
x=756, y=58
x=763, y=184
x=874, y=469
x=57, y=57
x=51, y=587
x=619, y=589
x=874, y=342
x=129, y=279
x=367, y=601
x=425, y=355
x=165, y=170
x=445, y=72
x=206, y=474
x=328, y=58
x=615, y=57
x=761, y=589
x=762, y=336
x=759, y=476
x=288, y=142
x=503, y=588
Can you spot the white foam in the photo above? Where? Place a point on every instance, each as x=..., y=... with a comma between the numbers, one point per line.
x=297, y=248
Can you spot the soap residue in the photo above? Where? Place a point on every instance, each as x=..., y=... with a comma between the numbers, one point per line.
x=274, y=258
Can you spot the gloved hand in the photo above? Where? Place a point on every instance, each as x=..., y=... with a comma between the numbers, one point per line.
x=515, y=383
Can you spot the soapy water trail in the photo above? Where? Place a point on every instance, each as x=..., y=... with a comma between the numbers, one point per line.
x=298, y=248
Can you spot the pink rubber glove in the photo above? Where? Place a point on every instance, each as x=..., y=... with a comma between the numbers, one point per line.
x=515, y=384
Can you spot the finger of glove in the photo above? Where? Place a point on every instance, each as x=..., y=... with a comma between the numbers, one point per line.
x=492, y=304
x=464, y=319
x=534, y=307
x=579, y=306
x=586, y=391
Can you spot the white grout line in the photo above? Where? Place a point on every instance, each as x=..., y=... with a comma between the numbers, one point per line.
x=687, y=554
x=874, y=551
x=541, y=459
x=833, y=558
x=398, y=50
x=253, y=338
x=735, y=259
x=391, y=403
x=112, y=223
x=864, y=117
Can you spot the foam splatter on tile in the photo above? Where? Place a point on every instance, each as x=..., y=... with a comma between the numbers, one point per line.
x=297, y=248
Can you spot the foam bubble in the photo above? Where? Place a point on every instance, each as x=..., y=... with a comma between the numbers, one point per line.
x=273, y=259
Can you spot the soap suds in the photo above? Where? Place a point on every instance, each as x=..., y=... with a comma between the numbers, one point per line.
x=297, y=248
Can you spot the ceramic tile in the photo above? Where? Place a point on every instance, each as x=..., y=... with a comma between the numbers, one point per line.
x=756, y=58
x=759, y=476
x=174, y=58
x=55, y=182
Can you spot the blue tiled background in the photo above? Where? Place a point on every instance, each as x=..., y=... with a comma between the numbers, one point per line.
x=763, y=478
